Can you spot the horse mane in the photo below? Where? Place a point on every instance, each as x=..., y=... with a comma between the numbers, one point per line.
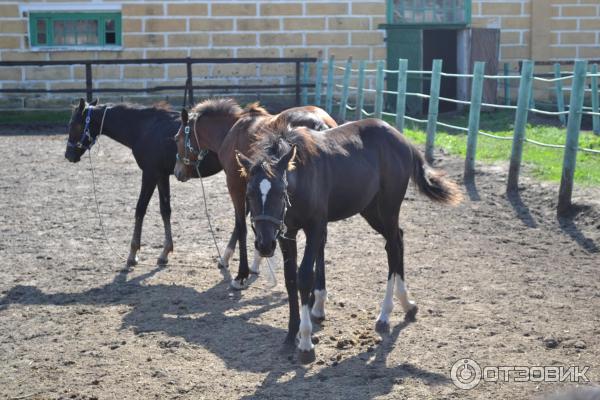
x=254, y=109
x=277, y=138
x=162, y=105
x=214, y=107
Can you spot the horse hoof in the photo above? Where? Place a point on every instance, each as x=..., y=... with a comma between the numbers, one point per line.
x=411, y=315
x=306, y=357
x=316, y=320
x=131, y=262
x=288, y=346
x=238, y=285
x=162, y=261
x=382, y=327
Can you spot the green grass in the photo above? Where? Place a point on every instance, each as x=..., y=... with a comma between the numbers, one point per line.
x=545, y=163
x=29, y=117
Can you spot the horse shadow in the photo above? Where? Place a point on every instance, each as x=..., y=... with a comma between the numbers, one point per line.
x=364, y=375
x=216, y=320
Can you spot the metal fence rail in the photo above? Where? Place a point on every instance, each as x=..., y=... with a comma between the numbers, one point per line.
x=189, y=86
x=525, y=104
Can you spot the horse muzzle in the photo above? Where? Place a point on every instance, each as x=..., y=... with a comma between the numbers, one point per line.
x=265, y=248
x=72, y=156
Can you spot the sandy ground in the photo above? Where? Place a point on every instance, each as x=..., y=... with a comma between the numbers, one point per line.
x=500, y=281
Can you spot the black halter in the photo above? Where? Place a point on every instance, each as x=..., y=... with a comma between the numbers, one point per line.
x=278, y=222
x=188, y=148
x=86, y=134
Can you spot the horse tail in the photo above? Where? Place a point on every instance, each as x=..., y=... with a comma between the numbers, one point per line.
x=433, y=183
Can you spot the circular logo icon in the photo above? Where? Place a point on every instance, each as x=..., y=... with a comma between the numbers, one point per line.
x=465, y=374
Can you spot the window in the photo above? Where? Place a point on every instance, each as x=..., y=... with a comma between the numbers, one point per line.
x=430, y=12
x=75, y=29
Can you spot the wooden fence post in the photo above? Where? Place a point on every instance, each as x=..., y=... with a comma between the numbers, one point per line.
x=432, y=114
x=595, y=105
x=520, y=124
x=190, y=80
x=89, y=94
x=401, y=94
x=360, y=93
x=319, y=79
x=379, y=83
x=345, y=84
x=506, y=84
x=330, y=84
x=560, y=97
x=305, y=77
x=474, y=115
x=572, y=143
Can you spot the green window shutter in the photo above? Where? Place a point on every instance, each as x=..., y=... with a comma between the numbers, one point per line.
x=75, y=29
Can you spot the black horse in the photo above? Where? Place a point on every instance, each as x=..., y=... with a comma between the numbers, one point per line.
x=148, y=132
x=360, y=167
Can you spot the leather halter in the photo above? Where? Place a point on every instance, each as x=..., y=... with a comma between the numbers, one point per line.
x=278, y=222
x=188, y=148
x=86, y=134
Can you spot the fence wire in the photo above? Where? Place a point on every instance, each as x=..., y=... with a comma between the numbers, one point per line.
x=469, y=103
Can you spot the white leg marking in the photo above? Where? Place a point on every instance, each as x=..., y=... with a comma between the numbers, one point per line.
x=265, y=186
x=318, y=309
x=402, y=295
x=388, y=301
x=255, y=267
x=305, y=343
x=227, y=253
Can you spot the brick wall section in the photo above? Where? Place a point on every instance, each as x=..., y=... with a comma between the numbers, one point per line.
x=258, y=28
x=576, y=29
x=513, y=18
x=539, y=29
x=572, y=27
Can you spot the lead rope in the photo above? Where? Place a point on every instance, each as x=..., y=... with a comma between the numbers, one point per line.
x=101, y=222
x=207, y=214
x=100, y=219
x=271, y=272
x=123, y=258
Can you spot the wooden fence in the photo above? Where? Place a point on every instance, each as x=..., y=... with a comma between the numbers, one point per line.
x=578, y=77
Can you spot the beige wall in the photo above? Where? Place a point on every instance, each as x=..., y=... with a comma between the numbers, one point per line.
x=543, y=30
x=538, y=29
x=258, y=28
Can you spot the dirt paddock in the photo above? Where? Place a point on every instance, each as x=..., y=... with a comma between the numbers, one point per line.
x=497, y=280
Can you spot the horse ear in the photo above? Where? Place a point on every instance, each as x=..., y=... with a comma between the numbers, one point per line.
x=244, y=162
x=94, y=103
x=184, y=116
x=287, y=161
x=81, y=104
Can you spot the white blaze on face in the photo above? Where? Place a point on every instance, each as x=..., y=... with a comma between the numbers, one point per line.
x=265, y=186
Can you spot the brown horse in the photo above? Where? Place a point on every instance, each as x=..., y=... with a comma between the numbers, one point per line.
x=223, y=127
